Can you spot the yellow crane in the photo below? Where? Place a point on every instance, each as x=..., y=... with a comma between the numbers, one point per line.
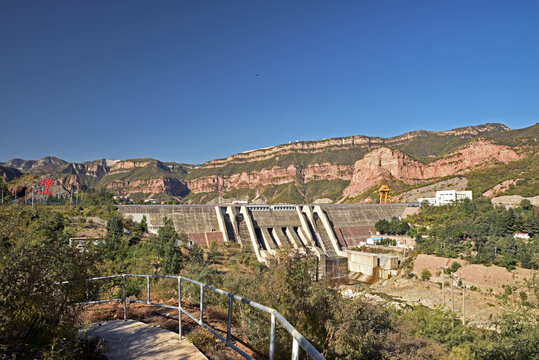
x=385, y=194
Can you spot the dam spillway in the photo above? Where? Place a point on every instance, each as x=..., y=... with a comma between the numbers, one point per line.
x=326, y=230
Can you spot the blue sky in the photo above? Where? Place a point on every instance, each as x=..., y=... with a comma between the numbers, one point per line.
x=176, y=80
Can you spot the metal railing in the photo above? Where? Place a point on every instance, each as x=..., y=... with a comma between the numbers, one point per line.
x=298, y=340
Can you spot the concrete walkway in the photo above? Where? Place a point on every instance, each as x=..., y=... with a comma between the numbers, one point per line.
x=135, y=340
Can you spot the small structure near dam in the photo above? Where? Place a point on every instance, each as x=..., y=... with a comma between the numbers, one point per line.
x=326, y=230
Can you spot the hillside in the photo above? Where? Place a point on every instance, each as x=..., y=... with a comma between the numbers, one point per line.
x=8, y=173
x=491, y=159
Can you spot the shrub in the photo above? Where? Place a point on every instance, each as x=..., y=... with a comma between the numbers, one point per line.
x=37, y=312
x=425, y=275
x=454, y=267
x=207, y=343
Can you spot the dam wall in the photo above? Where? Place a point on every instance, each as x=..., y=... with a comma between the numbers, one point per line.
x=325, y=230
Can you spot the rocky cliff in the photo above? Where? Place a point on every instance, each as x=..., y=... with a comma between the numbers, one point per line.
x=384, y=163
x=365, y=142
x=273, y=176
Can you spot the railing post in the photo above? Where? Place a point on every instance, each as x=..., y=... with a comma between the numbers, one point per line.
x=272, y=337
x=180, y=307
x=229, y=322
x=201, y=302
x=295, y=350
x=123, y=298
x=148, y=289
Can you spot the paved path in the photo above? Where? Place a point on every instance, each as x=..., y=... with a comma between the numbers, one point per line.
x=135, y=340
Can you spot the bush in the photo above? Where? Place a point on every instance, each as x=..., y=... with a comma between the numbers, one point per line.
x=425, y=275
x=37, y=312
x=207, y=343
x=454, y=267
x=214, y=254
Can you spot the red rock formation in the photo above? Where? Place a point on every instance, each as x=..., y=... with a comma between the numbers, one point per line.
x=475, y=155
x=501, y=187
x=153, y=186
x=382, y=164
x=274, y=176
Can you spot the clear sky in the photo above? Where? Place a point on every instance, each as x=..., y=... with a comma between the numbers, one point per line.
x=177, y=80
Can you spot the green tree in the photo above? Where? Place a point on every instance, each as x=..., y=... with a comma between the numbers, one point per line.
x=358, y=330
x=196, y=255
x=167, y=248
x=114, y=247
x=172, y=259
x=37, y=311
x=143, y=225
x=165, y=234
x=97, y=197
x=454, y=266
x=526, y=204
x=214, y=254
x=382, y=226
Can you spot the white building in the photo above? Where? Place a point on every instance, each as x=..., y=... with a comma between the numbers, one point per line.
x=448, y=196
x=445, y=197
x=521, y=235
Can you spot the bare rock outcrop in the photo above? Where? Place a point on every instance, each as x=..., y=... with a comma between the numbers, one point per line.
x=273, y=176
x=151, y=186
x=384, y=163
x=477, y=154
x=500, y=188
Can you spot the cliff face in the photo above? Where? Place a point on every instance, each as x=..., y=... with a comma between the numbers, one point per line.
x=385, y=163
x=274, y=176
x=126, y=165
x=151, y=186
x=96, y=171
x=364, y=142
x=382, y=164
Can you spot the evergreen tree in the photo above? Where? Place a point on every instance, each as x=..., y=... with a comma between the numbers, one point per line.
x=172, y=259
x=167, y=248
x=113, y=243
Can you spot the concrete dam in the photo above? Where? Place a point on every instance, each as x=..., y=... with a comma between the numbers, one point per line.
x=326, y=230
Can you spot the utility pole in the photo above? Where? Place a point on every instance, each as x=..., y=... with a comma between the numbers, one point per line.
x=32, y=196
x=453, y=307
x=463, y=303
x=443, y=288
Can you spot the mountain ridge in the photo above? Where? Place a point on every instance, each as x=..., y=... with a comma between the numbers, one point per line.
x=333, y=162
